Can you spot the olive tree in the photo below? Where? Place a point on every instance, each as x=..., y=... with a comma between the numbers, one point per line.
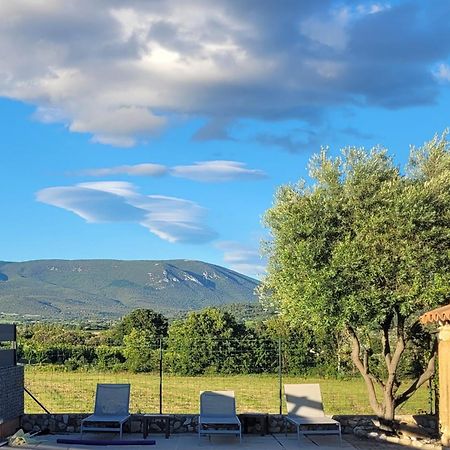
x=365, y=248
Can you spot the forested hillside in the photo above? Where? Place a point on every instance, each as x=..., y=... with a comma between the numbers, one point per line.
x=108, y=289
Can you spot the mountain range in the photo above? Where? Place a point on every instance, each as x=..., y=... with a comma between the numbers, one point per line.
x=108, y=289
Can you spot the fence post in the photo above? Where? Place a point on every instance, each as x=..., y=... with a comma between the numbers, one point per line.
x=160, y=376
x=280, y=377
x=430, y=396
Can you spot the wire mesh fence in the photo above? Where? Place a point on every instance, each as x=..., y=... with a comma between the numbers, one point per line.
x=169, y=381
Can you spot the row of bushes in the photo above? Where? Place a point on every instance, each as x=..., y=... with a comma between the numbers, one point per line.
x=232, y=357
x=207, y=341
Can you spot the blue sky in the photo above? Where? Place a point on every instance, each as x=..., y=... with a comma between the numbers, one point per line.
x=161, y=130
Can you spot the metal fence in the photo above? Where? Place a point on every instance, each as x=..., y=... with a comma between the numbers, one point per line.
x=255, y=371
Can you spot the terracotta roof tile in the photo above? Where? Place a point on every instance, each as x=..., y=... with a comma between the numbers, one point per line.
x=441, y=314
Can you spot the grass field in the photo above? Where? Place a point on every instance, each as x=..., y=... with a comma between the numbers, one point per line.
x=74, y=392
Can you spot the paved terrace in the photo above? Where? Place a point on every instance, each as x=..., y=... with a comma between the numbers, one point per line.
x=190, y=441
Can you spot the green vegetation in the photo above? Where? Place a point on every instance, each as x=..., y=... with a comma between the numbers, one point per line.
x=61, y=290
x=74, y=392
x=209, y=349
x=206, y=341
x=361, y=254
x=210, y=341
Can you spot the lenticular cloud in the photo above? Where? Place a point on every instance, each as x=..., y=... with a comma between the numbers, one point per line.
x=217, y=171
x=170, y=218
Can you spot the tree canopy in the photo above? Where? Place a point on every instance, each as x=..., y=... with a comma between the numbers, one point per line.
x=147, y=321
x=204, y=340
x=365, y=248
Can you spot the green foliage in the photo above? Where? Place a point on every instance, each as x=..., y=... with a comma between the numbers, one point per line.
x=365, y=248
x=153, y=324
x=109, y=358
x=141, y=351
x=55, y=334
x=31, y=353
x=210, y=341
x=204, y=341
x=363, y=241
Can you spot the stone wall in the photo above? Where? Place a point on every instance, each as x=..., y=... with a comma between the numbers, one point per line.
x=187, y=423
x=11, y=393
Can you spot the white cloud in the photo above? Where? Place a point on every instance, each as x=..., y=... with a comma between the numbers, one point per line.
x=121, y=70
x=170, y=218
x=145, y=169
x=174, y=219
x=443, y=72
x=121, y=188
x=372, y=8
x=217, y=171
x=206, y=171
x=242, y=258
x=116, y=125
x=93, y=205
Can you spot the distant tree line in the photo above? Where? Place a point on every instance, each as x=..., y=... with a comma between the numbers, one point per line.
x=208, y=341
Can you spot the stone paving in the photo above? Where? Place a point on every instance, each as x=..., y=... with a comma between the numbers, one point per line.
x=190, y=441
x=371, y=444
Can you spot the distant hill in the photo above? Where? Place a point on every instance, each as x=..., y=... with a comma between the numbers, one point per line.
x=107, y=289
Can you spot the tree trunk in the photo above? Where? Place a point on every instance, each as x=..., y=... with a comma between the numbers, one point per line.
x=363, y=368
x=385, y=409
x=389, y=406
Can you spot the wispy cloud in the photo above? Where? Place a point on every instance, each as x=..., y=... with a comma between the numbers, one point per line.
x=217, y=171
x=122, y=70
x=286, y=142
x=204, y=171
x=146, y=169
x=242, y=258
x=443, y=72
x=307, y=140
x=176, y=220
x=353, y=132
x=170, y=218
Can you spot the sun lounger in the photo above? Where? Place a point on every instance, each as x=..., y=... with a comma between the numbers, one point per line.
x=111, y=409
x=218, y=414
x=305, y=410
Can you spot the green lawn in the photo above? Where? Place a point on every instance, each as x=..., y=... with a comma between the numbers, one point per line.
x=74, y=392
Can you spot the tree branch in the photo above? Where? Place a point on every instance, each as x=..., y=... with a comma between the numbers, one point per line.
x=423, y=378
x=392, y=363
x=364, y=370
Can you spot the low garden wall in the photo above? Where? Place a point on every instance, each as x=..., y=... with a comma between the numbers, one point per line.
x=186, y=423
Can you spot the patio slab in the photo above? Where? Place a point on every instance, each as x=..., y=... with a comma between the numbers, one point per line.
x=192, y=442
